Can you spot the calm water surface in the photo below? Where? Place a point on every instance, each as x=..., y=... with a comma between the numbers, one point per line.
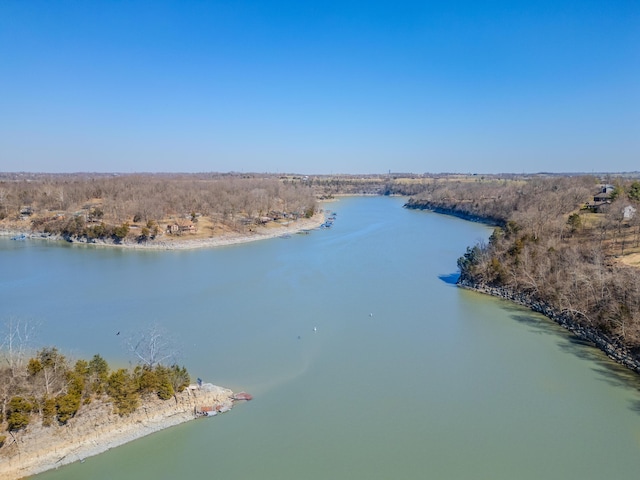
x=407, y=376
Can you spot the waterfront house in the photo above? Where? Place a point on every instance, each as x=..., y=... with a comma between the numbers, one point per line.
x=179, y=227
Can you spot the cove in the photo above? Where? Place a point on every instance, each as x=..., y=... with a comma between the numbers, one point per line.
x=405, y=376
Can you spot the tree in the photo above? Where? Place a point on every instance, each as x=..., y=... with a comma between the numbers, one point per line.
x=122, y=388
x=16, y=342
x=48, y=411
x=152, y=347
x=574, y=222
x=634, y=191
x=145, y=233
x=179, y=378
x=98, y=374
x=18, y=413
x=122, y=231
x=615, y=216
x=47, y=372
x=616, y=193
x=147, y=379
x=66, y=406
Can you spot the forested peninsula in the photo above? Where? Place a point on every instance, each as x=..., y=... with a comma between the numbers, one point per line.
x=153, y=210
x=567, y=247
x=55, y=410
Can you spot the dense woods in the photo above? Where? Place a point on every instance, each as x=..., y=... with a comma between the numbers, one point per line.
x=555, y=245
x=47, y=387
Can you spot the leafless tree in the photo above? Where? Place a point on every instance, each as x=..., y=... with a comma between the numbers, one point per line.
x=16, y=342
x=153, y=346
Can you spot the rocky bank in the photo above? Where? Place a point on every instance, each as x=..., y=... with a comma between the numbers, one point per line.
x=612, y=348
x=95, y=429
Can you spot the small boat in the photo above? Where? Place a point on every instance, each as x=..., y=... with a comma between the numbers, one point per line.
x=242, y=396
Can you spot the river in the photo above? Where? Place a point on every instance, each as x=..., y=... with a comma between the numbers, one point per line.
x=364, y=359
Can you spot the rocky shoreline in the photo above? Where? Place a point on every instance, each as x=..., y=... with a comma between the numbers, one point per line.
x=452, y=212
x=613, y=349
x=183, y=242
x=95, y=430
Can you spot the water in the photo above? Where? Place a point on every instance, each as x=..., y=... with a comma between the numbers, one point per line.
x=407, y=376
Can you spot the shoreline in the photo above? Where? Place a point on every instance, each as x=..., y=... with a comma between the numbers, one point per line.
x=93, y=431
x=182, y=243
x=612, y=349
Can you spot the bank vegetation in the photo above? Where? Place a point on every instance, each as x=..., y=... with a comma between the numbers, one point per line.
x=562, y=245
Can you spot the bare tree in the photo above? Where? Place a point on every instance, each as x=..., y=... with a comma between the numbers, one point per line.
x=16, y=342
x=153, y=346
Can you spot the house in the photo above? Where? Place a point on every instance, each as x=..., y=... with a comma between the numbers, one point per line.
x=179, y=227
x=604, y=194
x=603, y=197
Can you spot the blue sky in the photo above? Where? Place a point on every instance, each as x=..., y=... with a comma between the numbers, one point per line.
x=320, y=87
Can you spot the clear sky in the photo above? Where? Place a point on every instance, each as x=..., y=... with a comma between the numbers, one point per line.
x=307, y=86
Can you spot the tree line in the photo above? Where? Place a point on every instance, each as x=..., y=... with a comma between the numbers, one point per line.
x=552, y=248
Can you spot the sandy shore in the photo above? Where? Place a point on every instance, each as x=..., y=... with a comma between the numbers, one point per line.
x=166, y=242
x=94, y=430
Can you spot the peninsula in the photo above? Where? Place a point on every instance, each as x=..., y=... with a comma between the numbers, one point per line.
x=156, y=211
x=96, y=429
x=54, y=411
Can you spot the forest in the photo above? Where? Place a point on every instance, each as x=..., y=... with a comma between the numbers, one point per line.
x=559, y=241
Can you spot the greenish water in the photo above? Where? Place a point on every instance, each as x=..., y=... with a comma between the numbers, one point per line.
x=406, y=377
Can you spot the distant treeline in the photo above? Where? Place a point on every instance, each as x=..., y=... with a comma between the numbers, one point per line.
x=551, y=248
